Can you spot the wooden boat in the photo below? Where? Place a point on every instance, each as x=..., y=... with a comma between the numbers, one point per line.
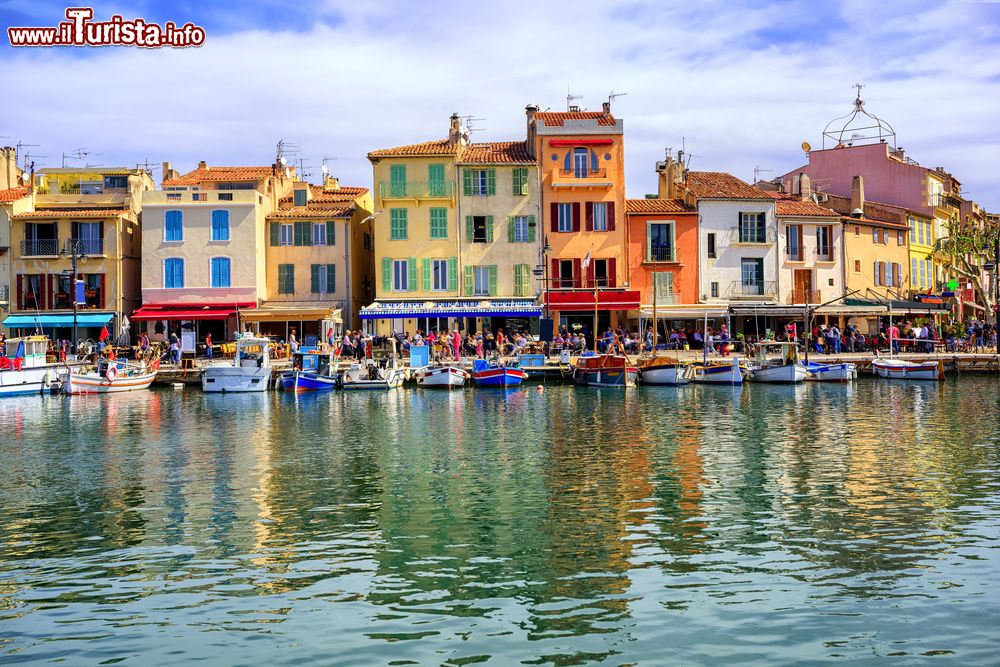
x=250, y=369
x=370, y=376
x=899, y=369
x=782, y=368
x=718, y=372
x=312, y=370
x=444, y=377
x=110, y=377
x=817, y=372
x=663, y=371
x=605, y=370
x=491, y=373
x=24, y=368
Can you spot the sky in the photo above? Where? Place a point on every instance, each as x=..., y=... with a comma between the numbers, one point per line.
x=740, y=84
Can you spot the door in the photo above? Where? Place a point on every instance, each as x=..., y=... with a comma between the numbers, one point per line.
x=580, y=158
x=803, y=286
x=752, y=271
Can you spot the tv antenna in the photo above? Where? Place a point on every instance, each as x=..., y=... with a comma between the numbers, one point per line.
x=325, y=169
x=145, y=165
x=757, y=171
x=285, y=149
x=612, y=95
x=682, y=154
x=80, y=155
x=469, y=125
x=569, y=99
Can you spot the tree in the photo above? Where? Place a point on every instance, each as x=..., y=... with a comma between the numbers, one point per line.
x=968, y=246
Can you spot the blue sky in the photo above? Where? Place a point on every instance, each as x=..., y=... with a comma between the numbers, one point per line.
x=742, y=84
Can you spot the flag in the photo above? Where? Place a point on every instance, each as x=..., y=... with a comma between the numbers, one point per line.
x=20, y=350
x=104, y=333
x=586, y=260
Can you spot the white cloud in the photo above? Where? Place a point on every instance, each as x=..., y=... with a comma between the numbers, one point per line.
x=391, y=73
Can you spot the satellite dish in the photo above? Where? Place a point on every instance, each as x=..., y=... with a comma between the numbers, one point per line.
x=806, y=147
x=25, y=176
x=283, y=161
x=325, y=170
x=288, y=172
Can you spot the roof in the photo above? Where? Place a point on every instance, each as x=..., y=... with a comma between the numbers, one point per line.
x=790, y=205
x=849, y=220
x=311, y=211
x=720, y=185
x=13, y=194
x=76, y=213
x=639, y=206
x=557, y=118
x=324, y=195
x=210, y=173
x=97, y=171
x=497, y=152
x=430, y=148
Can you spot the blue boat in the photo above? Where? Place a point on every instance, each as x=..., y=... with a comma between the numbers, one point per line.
x=489, y=373
x=311, y=371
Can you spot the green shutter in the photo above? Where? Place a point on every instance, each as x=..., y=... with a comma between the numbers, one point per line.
x=453, y=274
x=275, y=233
x=510, y=229
x=298, y=233
x=425, y=270
x=439, y=223
x=467, y=182
x=331, y=232
x=386, y=274
x=411, y=274
x=517, y=280
x=331, y=277
x=516, y=181
x=489, y=229
x=531, y=229
x=493, y=280
x=314, y=278
x=491, y=181
x=307, y=233
x=468, y=281
x=470, y=229
x=397, y=179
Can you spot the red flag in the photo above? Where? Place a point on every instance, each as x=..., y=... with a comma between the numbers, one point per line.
x=104, y=333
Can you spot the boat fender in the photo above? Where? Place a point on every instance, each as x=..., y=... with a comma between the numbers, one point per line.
x=111, y=373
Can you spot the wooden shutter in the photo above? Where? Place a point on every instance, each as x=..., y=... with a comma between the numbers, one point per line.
x=425, y=271
x=510, y=229
x=591, y=274
x=468, y=281
x=531, y=229
x=386, y=274
x=411, y=274
x=470, y=229
x=589, y=214
x=577, y=273
x=492, y=275
x=489, y=228
x=612, y=272
x=314, y=278
x=554, y=216
x=453, y=274
x=298, y=233
x=576, y=216
x=331, y=232
x=897, y=272
x=331, y=277
x=307, y=233
x=467, y=182
x=491, y=181
x=20, y=291
x=609, y=213
x=517, y=280
x=275, y=232
x=554, y=278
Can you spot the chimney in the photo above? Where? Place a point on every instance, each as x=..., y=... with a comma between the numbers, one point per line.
x=668, y=184
x=530, y=135
x=331, y=182
x=573, y=108
x=805, y=186
x=202, y=164
x=455, y=134
x=167, y=172
x=858, y=195
x=606, y=108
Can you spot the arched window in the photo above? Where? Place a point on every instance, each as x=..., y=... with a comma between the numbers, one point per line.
x=221, y=271
x=173, y=273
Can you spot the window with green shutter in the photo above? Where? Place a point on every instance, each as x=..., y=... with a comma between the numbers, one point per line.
x=412, y=273
x=531, y=229
x=492, y=272
x=520, y=178
x=397, y=224
x=435, y=180
x=522, y=280
x=453, y=274
x=386, y=274
x=331, y=278
x=489, y=229
x=467, y=182
x=331, y=232
x=286, y=278
x=468, y=280
x=425, y=273
x=314, y=286
x=439, y=223
x=275, y=231
x=397, y=180
x=491, y=181
x=298, y=233
x=517, y=280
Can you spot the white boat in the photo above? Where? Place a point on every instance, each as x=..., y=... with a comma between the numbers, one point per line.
x=110, y=377
x=250, y=369
x=831, y=372
x=370, y=376
x=23, y=367
x=445, y=377
x=663, y=371
x=718, y=372
x=783, y=367
x=900, y=369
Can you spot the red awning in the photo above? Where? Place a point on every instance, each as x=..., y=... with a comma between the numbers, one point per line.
x=584, y=300
x=581, y=142
x=176, y=314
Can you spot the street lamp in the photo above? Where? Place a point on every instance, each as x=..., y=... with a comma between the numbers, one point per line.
x=75, y=251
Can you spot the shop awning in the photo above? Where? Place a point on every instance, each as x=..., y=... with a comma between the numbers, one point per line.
x=384, y=310
x=684, y=312
x=184, y=312
x=851, y=310
x=288, y=313
x=768, y=311
x=584, y=300
x=50, y=320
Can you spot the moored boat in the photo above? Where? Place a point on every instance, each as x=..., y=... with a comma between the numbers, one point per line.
x=900, y=369
x=782, y=368
x=490, y=373
x=718, y=372
x=250, y=369
x=109, y=377
x=370, y=376
x=311, y=371
x=23, y=366
x=817, y=372
x=605, y=370
x=444, y=377
x=663, y=371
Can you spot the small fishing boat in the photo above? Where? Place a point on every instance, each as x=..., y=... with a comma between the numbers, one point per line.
x=250, y=369
x=370, y=375
x=444, y=377
x=109, y=377
x=900, y=369
x=605, y=370
x=783, y=367
x=663, y=371
x=24, y=368
x=493, y=373
x=817, y=372
x=718, y=372
x=312, y=370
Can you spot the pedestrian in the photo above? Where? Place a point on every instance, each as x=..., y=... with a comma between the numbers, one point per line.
x=208, y=345
x=293, y=342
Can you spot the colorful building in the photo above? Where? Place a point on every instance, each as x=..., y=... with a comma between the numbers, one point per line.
x=15, y=198
x=582, y=173
x=204, y=240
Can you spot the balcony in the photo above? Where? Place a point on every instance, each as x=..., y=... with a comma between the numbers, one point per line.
x=758, y=290
x=110, y=198
x=804, y=296
x=794, y=254
x=823, y=255
x=751, y=236
x=416, y=190
x=581, y=178
x=660, y=254
x=175, y=197
x=40, y=248
x=85, y=246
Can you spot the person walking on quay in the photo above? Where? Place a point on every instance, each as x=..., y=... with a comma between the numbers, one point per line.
x=330, y=339
x=208, y=345
x=893, y=333
x=500, y=341
x=835, y=339
x=293, y=342
x=723, y=341
x=456, y=344
x=175, y=349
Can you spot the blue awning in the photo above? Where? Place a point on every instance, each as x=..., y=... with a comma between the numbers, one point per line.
x=385, y=310
x=51, y=320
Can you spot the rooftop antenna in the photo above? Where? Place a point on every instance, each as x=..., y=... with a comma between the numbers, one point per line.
x=469, y=125
x=569, y=99
x=285, y=149
x=325, y=169
x=80, y=155
x=757, y=171
x=683, y=157
x=612, y=95
x=145, y=165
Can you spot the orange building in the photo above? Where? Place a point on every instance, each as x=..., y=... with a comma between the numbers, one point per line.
x=662, y=241
x=581, y=169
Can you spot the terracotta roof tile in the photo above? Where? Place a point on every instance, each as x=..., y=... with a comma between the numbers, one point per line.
x=312, y=211
x=638, y=206
x=496, y=152
x=211, y=173
x=75, y=213
x=320, y=194
x=790, y=205
x=430, y=148
x=13, y=194
x=557, y=118
x=720, y=185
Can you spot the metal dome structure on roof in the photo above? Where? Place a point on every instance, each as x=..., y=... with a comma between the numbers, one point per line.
x=859, y=127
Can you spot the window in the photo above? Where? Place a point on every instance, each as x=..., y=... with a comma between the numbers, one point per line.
x=857, y=230
x=89, y=237
x=400, y=275
x=913, y=229
x=565, y=217
x=236, y=185
x=323, y=278
x=173, y=227
x=397, y=180
x=93, y=290
x=520, y=181
x=714, y=290
x=299, y=197
x=601, y=272
x=566, y=275
x=220, y=225
x=793, y=242
x=116, y=182
x=286, y=234
x=711, y=246
x=225, y=196
x=319, y=234
x=752, y=276
x=581, y=158
x=752, y=229
x=397, y=224
x=900, y=238
x=479, y=228
x=173, y=273
x=286, y=278
x=824, y=245
x=876, y=235
x=522, y=280
x=914, y=272
x=481, y=280
x=220, y=272
x=439, y=223
x=600, y=212
x=857, y=266
x=303, y=233
x=522, y=229
x=923, y=273
x=480, y=181
x=663, y=284
x=439, y=275
x=435, y=180
x=660, y=242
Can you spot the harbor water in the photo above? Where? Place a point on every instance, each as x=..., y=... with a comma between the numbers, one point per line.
x=696, y=525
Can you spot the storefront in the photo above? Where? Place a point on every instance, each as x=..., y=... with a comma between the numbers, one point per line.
x=59, y=326
x=190, y=322
x=575, y=310
x=408, y=317
x=311, y=323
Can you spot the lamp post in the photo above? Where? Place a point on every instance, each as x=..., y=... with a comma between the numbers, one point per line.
x=543, y=270
x=73, y=248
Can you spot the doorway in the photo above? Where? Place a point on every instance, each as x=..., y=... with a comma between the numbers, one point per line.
x=803, y=292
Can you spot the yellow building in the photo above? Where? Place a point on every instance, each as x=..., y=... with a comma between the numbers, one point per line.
x=924, y=270
x=454, y=247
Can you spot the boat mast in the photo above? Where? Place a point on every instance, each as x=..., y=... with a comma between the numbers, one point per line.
x=595, y=315
x=656, y=326
x=704, y=341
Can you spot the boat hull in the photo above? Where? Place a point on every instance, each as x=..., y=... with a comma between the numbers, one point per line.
x=499, y=377
x=606, y=377
x=392, y=378
x=446, y=377
x=235, y=379
x=831, y=372
x=665, y=375
x=303, y=381
x=787, y=374
x=895, y=369
x=92, y=383
x=728, y=374
x=26, y=381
